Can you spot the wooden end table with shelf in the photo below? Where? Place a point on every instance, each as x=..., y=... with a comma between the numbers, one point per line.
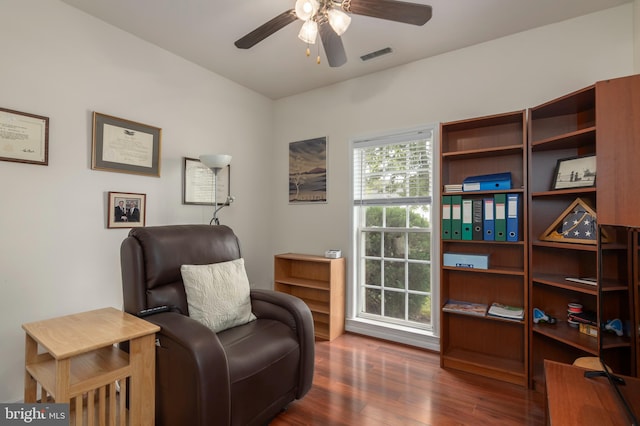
x=74, y=360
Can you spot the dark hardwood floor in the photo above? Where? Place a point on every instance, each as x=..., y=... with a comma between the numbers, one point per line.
x=364, y=381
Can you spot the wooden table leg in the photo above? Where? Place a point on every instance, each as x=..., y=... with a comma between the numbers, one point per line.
x=142, y=390
x=30, y=356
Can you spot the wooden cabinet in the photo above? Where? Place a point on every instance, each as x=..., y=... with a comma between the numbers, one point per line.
x=320, y=283
x=486, y=345
x=594, y=121
x=618, y=142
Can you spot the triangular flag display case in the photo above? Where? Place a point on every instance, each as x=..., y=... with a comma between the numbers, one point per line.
x=576, y=224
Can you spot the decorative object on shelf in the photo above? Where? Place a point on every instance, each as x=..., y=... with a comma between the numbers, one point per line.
x=333, y=254
x=24, y=138
x=126, y=210
x=539, y=316
x=197, y=183
x=125, y=146
x=328, y=18
x=217, y=162
x=575, y=172
x=614, y=326
x=308, y=171
x=576, y=224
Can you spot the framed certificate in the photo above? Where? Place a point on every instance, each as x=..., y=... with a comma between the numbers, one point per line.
x=125, y=146
x=197, y=183
x=24, y=138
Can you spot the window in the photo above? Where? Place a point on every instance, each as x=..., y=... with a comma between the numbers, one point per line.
x=392, y=196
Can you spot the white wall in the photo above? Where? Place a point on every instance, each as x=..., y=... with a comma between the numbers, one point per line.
x=56, y=255
x=503, y=75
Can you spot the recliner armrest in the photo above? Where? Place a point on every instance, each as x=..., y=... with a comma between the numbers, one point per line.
x=293, y=311
x=194, y=369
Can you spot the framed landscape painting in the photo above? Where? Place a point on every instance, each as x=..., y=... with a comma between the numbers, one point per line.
x=308, y=171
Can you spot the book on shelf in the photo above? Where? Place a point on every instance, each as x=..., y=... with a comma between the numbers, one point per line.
x=506, y=311
x=469, y=308
x=583, y=280
x=453, y=187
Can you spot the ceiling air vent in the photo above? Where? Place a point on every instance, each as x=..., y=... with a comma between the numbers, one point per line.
x=376, y=54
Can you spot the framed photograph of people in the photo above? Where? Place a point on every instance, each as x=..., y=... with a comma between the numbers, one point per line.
x=125, y=146
x=24, y=138
x=126, y=210
x=575, y=172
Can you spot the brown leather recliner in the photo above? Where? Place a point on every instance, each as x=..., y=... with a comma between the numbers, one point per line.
x=241, y=376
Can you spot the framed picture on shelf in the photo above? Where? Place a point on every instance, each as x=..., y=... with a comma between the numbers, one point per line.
x=24, y=138
x=125, y=146
x=197, y=183
x=575, y=172
x=126, y=210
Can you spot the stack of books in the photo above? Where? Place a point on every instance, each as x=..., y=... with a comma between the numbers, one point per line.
x=506, y=311
x=453, y=187
x=477, y=309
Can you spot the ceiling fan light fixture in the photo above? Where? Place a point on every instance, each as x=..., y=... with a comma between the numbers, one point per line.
x=338, y=20
x=305, y=9
x=309, y=32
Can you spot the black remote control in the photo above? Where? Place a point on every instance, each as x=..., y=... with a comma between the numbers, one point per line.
x=151, y=311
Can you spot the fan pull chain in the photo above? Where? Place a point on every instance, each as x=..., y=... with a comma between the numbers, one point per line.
x=318, y=58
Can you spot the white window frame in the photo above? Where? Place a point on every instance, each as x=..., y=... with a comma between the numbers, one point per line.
x=364, y=324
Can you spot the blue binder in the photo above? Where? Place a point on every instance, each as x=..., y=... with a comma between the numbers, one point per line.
x=513, y=220
x=488, y=224
x=492, y=182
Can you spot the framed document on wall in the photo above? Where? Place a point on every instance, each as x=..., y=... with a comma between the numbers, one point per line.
x=24, y=138
x=125, y=146
x=197, y=183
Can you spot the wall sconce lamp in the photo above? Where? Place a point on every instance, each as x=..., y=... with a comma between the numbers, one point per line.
x=216, y=162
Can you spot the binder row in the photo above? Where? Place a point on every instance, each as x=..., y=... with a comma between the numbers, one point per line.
x=494, y=218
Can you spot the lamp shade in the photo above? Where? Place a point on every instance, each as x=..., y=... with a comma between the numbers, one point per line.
x=305, y=9
x=215, y=161
x=309, y=32
x=338, y=20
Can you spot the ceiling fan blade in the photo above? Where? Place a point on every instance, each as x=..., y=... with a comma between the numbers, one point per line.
x=333, y=47
x=266, y=29
x=392, y=10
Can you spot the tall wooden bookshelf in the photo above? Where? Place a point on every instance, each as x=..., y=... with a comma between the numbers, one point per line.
x=485, y=345
x=594, y=121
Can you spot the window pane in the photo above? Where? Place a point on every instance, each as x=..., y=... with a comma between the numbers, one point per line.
x=420, y=216
x=372, y=301
x=373, y=217
x=372, y=244
x=420, y=308
x=420, y=277
x=420, y=245
x=394, y=244
x=396, y=217
x=394, y=274
x=372, y=272
x=394, y=304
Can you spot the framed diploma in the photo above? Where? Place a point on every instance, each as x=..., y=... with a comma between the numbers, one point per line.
x=126, y=210
x=125, y=146
x=24, y=138
x=197, y=183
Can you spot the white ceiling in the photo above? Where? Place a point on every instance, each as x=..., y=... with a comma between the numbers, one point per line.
x=203, y=32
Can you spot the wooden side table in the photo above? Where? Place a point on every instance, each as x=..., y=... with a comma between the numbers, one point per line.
x=74, y=360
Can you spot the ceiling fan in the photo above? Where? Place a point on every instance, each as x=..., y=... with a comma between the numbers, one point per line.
x=328, y=17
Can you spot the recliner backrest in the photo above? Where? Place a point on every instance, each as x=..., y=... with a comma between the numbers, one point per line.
x=151, y=258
